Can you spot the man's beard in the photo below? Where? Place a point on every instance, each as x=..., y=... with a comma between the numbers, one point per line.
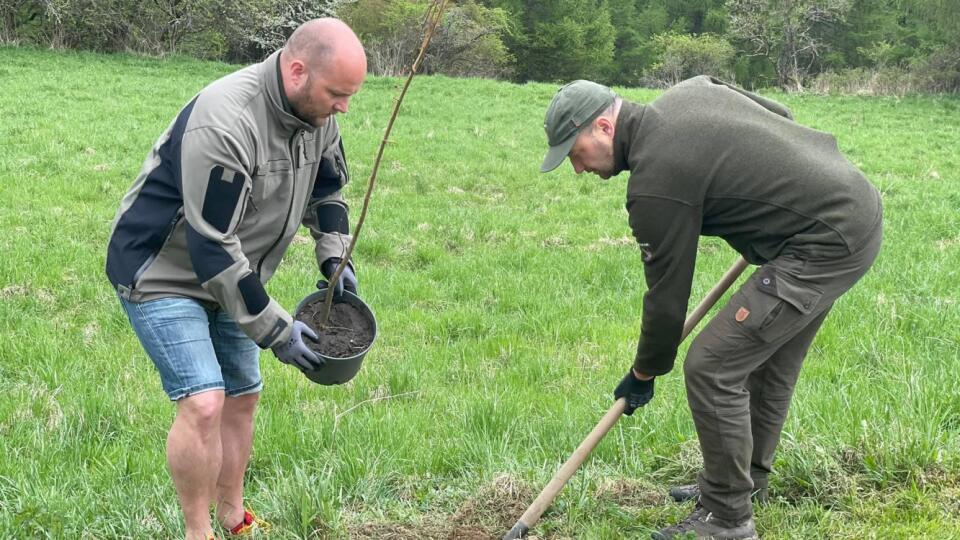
x=302, y=111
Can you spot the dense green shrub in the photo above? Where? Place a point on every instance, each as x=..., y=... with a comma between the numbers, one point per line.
x=940, y=71
x=237, y=30
x=272, y=22
x=468, y=41
x=683, y=56
x=562, y=40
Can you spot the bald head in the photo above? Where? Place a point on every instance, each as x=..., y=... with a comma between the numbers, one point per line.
x=322, y=64
x=319, y=41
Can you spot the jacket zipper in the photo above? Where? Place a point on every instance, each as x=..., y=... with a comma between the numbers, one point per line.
x=293, y=189
x=247, y=198
x=171, y=226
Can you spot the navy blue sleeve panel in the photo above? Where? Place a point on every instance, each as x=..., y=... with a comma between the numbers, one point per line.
x=332, y=217
x=223, y=194
x=209, y=258
x=332, y=173
x=667, y=232
x=341, y=159
x=255, y=297
x=143, y=227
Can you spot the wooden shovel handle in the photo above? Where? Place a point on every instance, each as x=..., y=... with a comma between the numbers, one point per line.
x=540, y=504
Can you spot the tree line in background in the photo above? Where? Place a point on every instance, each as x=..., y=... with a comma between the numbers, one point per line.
x=849, y=46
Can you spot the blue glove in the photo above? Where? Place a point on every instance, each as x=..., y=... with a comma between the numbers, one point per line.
x=295, y=350
x=347, y=281
x=638, y=393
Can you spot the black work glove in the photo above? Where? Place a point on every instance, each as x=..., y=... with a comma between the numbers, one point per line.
x=638, y=393
x=295, y=351
x=347, y=281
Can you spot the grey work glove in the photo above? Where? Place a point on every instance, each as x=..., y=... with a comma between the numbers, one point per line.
x=347, y=281
x=638, y=393
x=295, y=350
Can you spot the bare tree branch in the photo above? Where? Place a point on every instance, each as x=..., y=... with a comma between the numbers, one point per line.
x=433, y=17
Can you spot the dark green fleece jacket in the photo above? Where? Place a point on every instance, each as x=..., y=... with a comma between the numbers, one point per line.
x=707, y=158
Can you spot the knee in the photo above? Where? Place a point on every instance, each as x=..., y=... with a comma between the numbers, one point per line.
x=202, y=410
x=248, y=401
x=243, y=405
x=699, y=380
x=696, y=369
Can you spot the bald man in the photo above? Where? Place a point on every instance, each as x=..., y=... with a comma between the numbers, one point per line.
x=203, y=228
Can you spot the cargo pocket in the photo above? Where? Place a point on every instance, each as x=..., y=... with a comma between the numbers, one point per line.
x=779, y=304
x=268, y=179
x=269, y=195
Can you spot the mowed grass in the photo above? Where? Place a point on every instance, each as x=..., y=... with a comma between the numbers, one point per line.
x=508, y=305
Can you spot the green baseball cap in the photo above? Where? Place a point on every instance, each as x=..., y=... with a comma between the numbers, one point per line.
x=573, y=108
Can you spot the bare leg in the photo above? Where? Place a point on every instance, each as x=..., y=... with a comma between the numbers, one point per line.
x=194, y=455
x=236, y=432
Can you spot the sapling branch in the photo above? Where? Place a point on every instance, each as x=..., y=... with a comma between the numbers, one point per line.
x=432, y=19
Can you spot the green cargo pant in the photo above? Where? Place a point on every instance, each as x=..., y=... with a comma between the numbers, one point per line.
x=741, y=370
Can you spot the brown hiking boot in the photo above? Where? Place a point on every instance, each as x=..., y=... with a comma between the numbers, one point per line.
x=692, y=491
x=702, y=524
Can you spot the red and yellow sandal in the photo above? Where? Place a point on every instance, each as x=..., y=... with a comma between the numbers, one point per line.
x=249, y=523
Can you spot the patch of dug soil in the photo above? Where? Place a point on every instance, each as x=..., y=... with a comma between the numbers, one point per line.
x=346, y=333
x=496, y=508
x=485, y=516
x=430, y=529
x=394, y=531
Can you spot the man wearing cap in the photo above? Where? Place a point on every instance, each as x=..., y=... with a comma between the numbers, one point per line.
x=708, y=158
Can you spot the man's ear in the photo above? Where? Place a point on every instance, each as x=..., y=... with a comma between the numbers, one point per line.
x=298, y=73
x=604, y=125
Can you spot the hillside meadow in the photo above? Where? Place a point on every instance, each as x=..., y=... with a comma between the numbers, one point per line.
x=508, y=305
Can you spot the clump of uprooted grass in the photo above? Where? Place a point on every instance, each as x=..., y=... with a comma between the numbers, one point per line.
x=631, y=493
x=486, y=515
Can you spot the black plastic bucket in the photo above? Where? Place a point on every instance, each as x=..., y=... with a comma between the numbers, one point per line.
x=339, y=370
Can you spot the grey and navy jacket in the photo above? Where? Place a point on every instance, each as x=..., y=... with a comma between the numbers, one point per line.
x=221, y=196
x=708, y=158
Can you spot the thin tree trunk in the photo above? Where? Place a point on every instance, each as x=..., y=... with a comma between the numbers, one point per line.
x=431, y=20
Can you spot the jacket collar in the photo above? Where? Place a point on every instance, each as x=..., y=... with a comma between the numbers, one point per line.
x=626, y=134
x=280, y=105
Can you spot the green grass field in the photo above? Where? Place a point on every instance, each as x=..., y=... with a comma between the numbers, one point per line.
x=509, y=306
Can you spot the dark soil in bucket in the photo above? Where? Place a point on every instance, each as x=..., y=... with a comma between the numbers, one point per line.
x=346, y=334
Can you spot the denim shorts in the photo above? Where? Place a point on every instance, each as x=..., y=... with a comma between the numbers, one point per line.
x=195, y=348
